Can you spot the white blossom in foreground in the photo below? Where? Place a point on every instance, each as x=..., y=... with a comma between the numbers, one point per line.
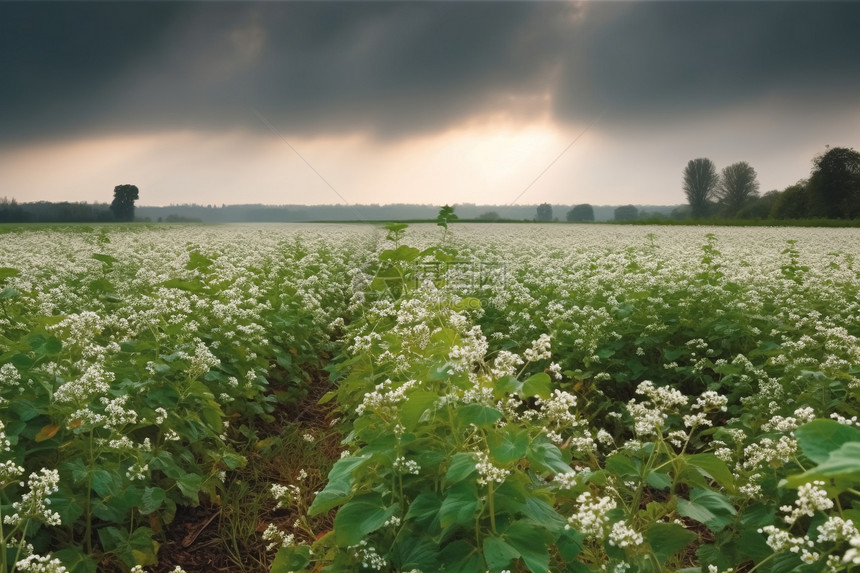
x=34, y=503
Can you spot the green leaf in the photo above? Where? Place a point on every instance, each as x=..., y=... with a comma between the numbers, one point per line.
x=401, y=253
x=750, y=544
x=659, y=480
x=198, y=261
x=479, y=415
x=818, y=438
x=416, y=404
x=289, y=559
x=339, y=486
x=509, y=444
x=190, y=485
x=621, y=465
x=233, y=460
x=498, y=553
x=152, y=499
x=508, y=385
x=360, y=516
x=67, y=506
x=459, y=505
x=7, y=272
x=842, y=465
x=542, y=512
x=106, y=259
x=708, y=507
x=181, y=284
x=544, y=455
x=714, y=468
x=539, y=384
x=75, y=560
x=460, y=557
x=8, y=293
x=462, y=466
x=412, y=552
x=25, y=409
x=106, y=483
x=102, y=285
x=667, y=539
x=532, y=542
x=570, y=544
x=673, y=354
x=424, y=508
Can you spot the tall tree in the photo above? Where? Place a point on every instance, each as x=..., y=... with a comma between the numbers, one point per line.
x=544, y=212
x=700, y=183
x=737, y=186
x=122, y=206
x=834, y=186
x=579, y=213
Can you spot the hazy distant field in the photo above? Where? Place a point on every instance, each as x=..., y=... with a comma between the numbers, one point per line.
x=510, y=397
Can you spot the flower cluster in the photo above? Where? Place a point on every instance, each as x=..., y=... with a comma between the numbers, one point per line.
x=34, y=503
x=488, y=472
x=591, y=518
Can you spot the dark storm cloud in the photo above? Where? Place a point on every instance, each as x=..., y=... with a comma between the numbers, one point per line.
x=657, y=60
x=385, y=68
x=393, y=69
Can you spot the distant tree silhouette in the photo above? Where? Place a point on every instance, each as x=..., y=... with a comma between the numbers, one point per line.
x=122, y=206
x=700, y=182
x=12, y=212
x=738, y=185
x=544, y=212
x=578, y=213
x=834, y=186
x=792, y=203
x=489, y=216
x=626, y=213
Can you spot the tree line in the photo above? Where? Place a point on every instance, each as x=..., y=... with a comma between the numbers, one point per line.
x=832, y=190
x=120, y=209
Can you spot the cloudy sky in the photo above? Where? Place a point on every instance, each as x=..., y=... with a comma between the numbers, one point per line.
x=417, y=102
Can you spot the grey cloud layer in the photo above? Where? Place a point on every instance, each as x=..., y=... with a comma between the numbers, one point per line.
x=390, y=69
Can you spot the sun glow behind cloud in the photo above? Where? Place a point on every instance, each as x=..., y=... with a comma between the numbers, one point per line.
x=486, y=162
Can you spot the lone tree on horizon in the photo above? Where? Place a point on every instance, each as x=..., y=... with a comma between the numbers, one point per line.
x=700, y=183
x=122, y=206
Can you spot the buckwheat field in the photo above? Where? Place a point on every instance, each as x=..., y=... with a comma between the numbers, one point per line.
x=498, y=397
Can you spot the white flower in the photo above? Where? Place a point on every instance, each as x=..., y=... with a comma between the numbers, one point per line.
x=623, y=535
x=487, y=471
x=810, y=497
x=591, y=518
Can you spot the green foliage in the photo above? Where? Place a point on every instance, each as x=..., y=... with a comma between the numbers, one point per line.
x=659, y=405
x=446, y=215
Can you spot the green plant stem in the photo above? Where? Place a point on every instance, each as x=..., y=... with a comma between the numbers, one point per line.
x=20, y=545
x=762, y=562
x=88, y=508
x=2, y=542
x=492, y=507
